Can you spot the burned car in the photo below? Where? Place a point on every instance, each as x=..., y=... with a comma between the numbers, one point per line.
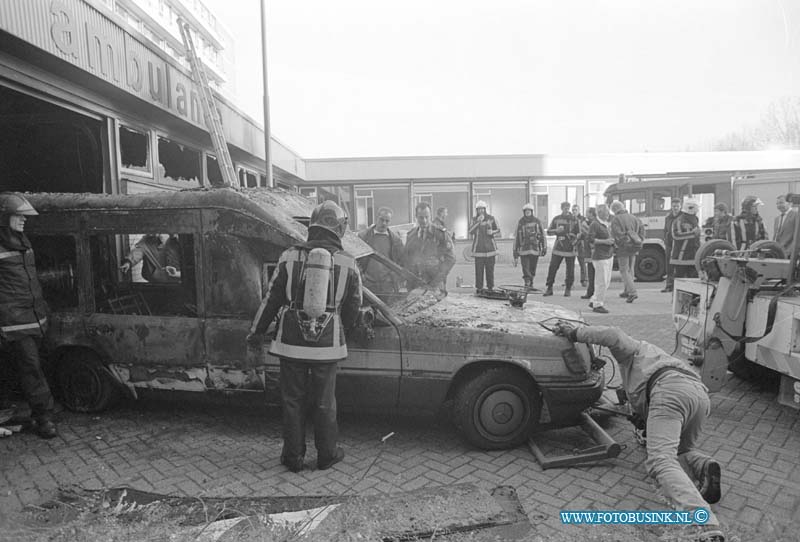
x=118, y=326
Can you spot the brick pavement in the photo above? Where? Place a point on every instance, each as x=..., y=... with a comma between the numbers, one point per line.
x=217, y=448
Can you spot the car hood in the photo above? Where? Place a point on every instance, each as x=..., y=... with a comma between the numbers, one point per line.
x=429, y=309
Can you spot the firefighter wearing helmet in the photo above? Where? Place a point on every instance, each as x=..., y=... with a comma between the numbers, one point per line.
x=566, y=229
x=317, y=289
x=748, y=225
x=23, y=311
x=483, y=230
x=530, y=243
x=685, y=240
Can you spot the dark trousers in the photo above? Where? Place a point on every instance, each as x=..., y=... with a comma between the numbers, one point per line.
x=670, y=269
x=308, y=386
x=582, y=266
x=555, y=263
x=528, y=262
x=590, y=271
x=487, y=265
x=24, y=354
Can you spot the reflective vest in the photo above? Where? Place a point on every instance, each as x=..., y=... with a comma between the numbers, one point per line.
x=530, y=237
x=303, y=338
x=23, y=310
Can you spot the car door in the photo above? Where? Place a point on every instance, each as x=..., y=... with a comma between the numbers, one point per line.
x=151, y=327
x=232, y=273
x=369, y=379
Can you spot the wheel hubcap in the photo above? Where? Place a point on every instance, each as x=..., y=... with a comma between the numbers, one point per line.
x=501, y=413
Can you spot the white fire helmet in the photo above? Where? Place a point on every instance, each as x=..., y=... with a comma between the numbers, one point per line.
x=480, y=204
x=12, y=203
x=691, y=207
x=527, y=207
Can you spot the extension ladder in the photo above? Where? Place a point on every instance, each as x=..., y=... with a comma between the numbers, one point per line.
x=210, y=112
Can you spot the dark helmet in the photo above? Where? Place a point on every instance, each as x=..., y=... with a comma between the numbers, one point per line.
x=12, y=203
x=750, y=202
x=330, y=216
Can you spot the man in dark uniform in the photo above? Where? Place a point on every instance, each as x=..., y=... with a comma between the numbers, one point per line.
x=566, y=229
x=440, y=220
x=320, y=286
x=23, y=311
x=748, y=225
x=685, y=240
x=429, y=249
x=668, y=220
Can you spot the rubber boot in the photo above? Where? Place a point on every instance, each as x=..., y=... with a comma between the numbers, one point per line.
x=549, y=291
x=567, y=292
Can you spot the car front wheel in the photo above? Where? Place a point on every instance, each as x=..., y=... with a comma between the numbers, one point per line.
x=497, y=409
x=83, y=383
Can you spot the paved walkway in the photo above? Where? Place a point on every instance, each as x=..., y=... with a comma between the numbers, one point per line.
x=201, y=447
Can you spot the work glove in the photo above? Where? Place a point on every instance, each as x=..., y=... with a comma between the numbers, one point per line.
x=564, y=329
x=515, y=261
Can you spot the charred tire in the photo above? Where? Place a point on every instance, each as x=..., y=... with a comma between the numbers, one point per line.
x=707, y=249
x=83, y=383
x=651, y=264
x=773, y=249
x=497, y=409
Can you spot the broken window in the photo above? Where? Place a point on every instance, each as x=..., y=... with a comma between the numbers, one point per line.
x=236, y=277
x=177, y=162
x=146, y=274
x=134, y=149
x=213, y=173
x=247, y=178
x=56, y=267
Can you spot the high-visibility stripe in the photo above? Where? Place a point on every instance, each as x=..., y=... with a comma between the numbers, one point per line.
x=325, y=353
x=10, y=254
x=296, y=256
x=564, y=253
x=20, y=327
x=530, y=252
x=345, y=264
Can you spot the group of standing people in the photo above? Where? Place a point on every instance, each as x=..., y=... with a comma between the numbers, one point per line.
x=683, y=235
x=427, y=252
x=591, y=240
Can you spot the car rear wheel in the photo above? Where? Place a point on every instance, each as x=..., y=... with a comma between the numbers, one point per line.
x=650, y=265
x=84, y=384
x=497, y=409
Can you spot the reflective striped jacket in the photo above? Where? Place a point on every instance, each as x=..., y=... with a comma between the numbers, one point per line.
x=23, y=310
x=286, y=294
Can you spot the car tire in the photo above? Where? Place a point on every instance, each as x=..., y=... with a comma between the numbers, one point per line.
x=83, y=382
x=773, y=249
x=497, y=408
x=651, y=265
x=707, y=249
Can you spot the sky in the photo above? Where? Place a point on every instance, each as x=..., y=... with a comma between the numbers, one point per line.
x=356, y=78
